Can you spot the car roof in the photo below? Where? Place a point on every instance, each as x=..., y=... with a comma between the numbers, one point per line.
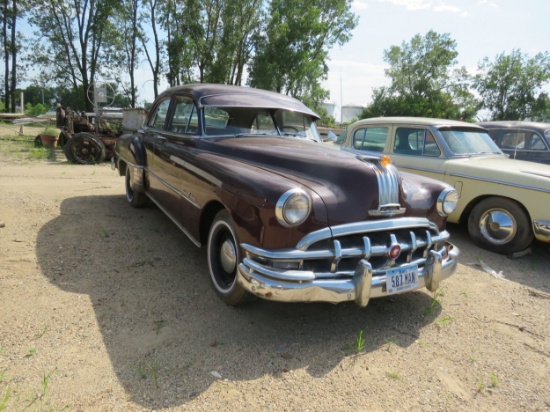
x=418, y=121
x=238, y=96
x=515, y=123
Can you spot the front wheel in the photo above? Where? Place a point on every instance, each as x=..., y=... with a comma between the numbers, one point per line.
x=223, y=259
x=500, y=225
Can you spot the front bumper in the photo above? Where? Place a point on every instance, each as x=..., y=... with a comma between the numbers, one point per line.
x=438, y=261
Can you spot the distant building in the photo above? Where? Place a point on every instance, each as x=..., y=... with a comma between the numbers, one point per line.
x=351, y=112
x=330, y=108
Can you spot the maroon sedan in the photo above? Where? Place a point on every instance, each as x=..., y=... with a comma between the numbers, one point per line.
x=284, y=217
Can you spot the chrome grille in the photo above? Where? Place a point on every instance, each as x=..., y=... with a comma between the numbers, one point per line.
x=334, y=253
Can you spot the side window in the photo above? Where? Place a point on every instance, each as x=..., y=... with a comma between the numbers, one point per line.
x=415, y=142
x=536, y=142
x=513, y=140
x=371, y=138
x=185, y=120
x=159, y=115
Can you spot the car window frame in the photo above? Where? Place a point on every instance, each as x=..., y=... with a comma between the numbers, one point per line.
x=172, y=113
x=372, y=148
x=154, y=114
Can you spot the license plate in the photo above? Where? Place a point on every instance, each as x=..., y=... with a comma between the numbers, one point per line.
x=402, y=279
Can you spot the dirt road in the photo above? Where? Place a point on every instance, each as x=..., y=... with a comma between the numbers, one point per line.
x=108, y=308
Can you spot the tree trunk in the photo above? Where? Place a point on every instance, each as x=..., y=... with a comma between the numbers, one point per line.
x=6, y=58
x=14, y=56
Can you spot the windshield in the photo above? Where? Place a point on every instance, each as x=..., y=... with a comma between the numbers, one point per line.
x=252, y=121
x=469, y=142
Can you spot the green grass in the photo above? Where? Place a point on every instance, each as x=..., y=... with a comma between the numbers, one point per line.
x=435, y=300
x=24, y=148
x=394, y=375
x=359, y=341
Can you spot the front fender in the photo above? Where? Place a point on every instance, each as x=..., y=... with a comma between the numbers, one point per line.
x=250, y=194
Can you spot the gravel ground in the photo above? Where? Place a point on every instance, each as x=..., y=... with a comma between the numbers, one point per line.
x=108, y=308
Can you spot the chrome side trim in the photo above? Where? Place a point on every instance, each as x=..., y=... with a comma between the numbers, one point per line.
x=185, y=231
x=465, y=176
x=502, y=182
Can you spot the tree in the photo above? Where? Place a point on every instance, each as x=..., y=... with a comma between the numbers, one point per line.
x=423, y=82
x=511, y=85
x=149, y=17
x=125, y=50
x=210, y=40
x=291, y=54
x=74, y=34
x=11, y=11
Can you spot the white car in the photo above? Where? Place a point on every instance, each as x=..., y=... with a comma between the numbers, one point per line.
x=504, y=202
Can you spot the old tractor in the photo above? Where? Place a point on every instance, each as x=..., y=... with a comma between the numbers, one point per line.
x=88, y=138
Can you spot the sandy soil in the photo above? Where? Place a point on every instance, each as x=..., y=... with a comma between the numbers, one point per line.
x=108, y=308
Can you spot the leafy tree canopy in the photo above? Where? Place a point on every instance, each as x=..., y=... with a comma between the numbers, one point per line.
x=423, y=82
x=510, y=85
x=292, y=52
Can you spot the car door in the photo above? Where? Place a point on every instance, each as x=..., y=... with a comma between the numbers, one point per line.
x=153, y=135
x=173, y=150
x=414, y=149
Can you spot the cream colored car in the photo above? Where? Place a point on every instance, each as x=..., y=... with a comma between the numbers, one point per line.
x=504, y=202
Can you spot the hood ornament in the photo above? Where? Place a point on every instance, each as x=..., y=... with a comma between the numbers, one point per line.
x=388, y=186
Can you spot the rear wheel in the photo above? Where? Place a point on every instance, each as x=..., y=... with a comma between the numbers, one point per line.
x=85, y=148
x=500, y=225
x=135, y=198
x=223, y=259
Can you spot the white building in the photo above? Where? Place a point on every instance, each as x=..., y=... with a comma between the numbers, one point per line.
x=351, y=112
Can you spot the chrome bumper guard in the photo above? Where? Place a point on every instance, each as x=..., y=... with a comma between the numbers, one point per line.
x=261, y=274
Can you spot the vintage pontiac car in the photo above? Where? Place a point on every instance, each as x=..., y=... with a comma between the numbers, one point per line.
x=282, y=216
x=503, y=202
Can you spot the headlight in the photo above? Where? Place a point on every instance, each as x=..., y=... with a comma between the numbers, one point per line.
x=293, y=207
x=447, y=202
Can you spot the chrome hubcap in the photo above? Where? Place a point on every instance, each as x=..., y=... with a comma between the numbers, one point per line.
x=498, y=226
x=228, y=256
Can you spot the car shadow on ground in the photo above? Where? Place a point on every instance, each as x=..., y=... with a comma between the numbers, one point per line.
x=169, y=337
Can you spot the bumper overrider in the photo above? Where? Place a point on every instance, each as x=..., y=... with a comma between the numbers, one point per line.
x=350, y=262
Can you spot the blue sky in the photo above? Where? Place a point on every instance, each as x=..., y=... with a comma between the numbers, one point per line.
x=481, y=28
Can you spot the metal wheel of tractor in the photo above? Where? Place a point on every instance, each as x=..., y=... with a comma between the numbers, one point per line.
x=500, y=225
x=85, y=148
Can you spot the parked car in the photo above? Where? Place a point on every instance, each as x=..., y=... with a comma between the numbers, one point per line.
x=282, y=216
x=504, y=202
x=521, y=140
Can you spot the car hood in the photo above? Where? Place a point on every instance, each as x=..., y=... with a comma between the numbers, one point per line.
x=504, y=169
x=334, y=175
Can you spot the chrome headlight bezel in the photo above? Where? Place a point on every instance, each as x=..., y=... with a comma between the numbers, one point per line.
x=447, y=201
x=293, y=207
